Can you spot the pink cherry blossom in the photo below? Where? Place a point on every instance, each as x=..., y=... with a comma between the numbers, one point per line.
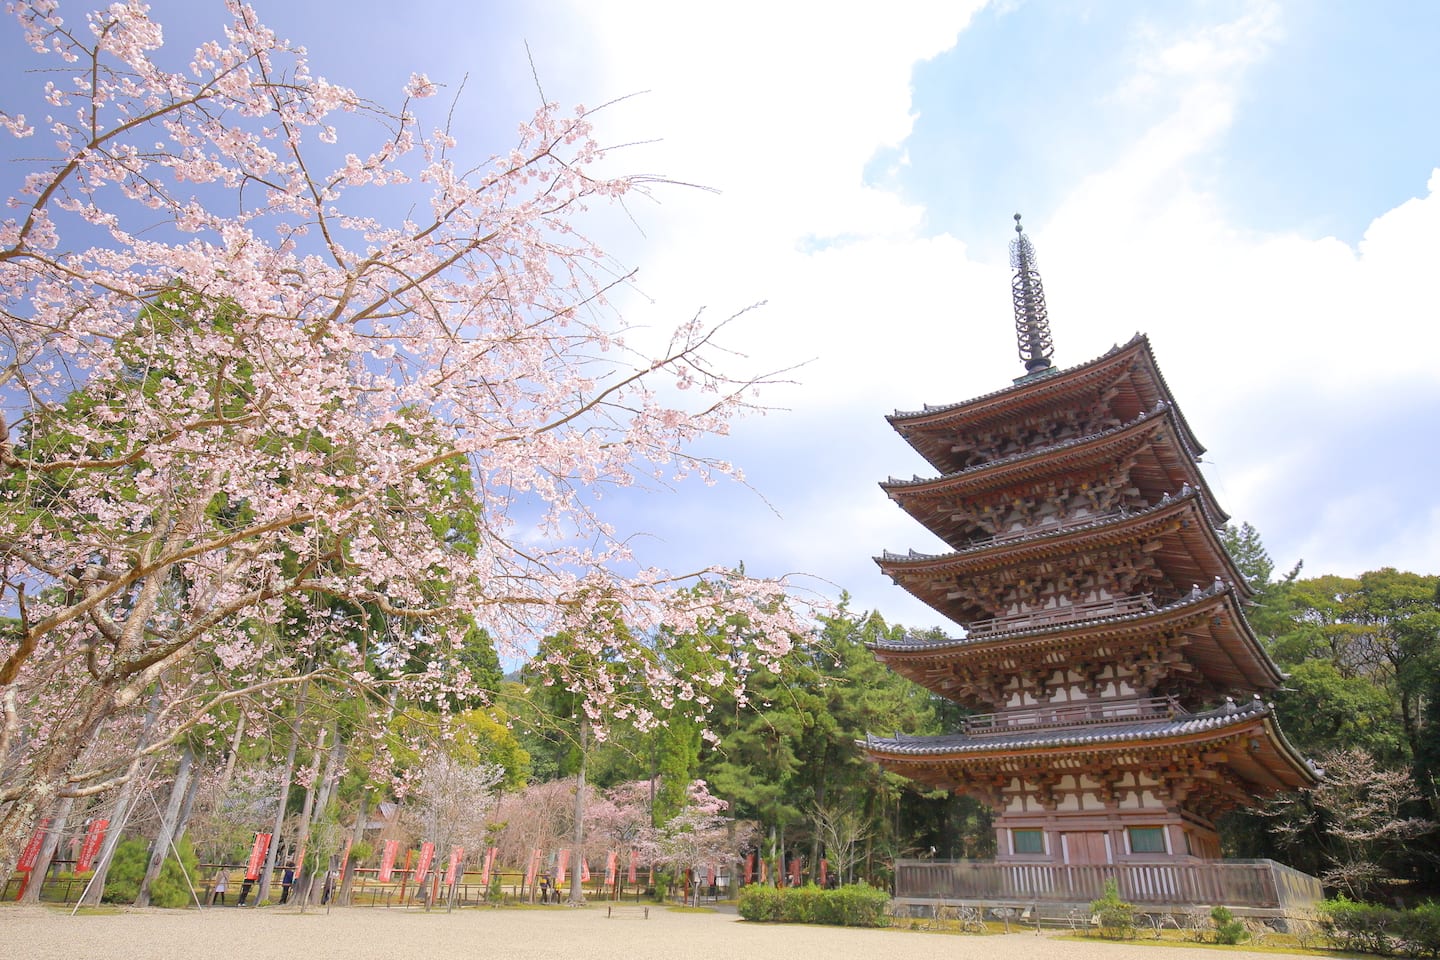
x=239, y=405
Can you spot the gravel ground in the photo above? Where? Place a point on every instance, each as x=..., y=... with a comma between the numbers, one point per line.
x=40, y=933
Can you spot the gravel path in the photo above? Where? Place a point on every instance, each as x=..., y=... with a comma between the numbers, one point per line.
x=39, y=933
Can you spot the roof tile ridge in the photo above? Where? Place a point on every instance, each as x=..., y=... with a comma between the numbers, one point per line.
x=1037, y=452
x=1109, y=519
x=929, y=408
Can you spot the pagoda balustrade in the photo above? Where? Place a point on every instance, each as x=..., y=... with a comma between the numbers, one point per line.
x=1074, y=713
x=1250, y=887
x=1063, y=613
x=1051, y=524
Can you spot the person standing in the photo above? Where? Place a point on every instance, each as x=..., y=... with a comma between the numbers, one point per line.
x=287, y=880
x=222, y=883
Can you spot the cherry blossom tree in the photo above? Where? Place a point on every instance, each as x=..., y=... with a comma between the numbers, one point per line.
x=238, y=405
x=451, y=802
x=540, y=817
x=700, y=836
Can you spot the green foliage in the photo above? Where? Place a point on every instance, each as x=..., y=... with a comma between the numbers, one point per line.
x=1361, y=927
x=1117, y=918
x=790, y=754
x=1379, y=930
x=1321, y=709
x=1245, y=548
x=127, y=870
x=664, y=880
x=1228, y=930
x=760, y=902
x=853, y=905
x=1417, y=931
x=677, y=761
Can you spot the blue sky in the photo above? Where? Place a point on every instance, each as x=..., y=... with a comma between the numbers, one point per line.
x=1253, y=184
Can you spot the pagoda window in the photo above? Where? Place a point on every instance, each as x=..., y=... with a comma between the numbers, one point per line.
x=1027, y=840
x=1146, y=840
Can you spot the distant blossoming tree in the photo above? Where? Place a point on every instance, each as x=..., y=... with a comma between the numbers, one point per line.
x=239, y=408
x=700, y=837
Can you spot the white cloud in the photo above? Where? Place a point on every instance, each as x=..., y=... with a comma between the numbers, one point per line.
x=1265, y=338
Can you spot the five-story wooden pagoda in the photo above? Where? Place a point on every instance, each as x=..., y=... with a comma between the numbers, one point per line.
x=1116, y=680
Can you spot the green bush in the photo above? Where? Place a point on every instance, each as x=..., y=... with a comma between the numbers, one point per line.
x=1417, y=931
x=759, y=902
x=1361, y=927
x=855, y=905
x=1117, y=918
x=127, y=869
x=1227, y=928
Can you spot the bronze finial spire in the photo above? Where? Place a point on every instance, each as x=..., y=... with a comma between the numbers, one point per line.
x=1032, y=326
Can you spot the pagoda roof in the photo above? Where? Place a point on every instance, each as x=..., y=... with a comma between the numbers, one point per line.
x=1239, y=664
x=1063, y=457
x=1270, y=762
x=923, y=428
x=1196, y=555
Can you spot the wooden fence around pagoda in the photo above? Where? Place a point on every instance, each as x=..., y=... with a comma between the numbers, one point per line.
x=1250, y=887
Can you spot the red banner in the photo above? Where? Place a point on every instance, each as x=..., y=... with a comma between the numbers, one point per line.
x=387, y=860
x=456, y=855
x=632, y=866
x=489, y=863
x=94, y=838
x=560, y=870
x=749, y=867
x=795, y=871
x=610, y=859
x=257, y=856
x=427, y=853
x=584, y=870
x=710, y=875
x=824, y=871
x=32, y=849
x=534, y=869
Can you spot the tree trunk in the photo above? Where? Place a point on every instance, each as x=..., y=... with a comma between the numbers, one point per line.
x=264, y=892
x=95, y=889
x=577, y=856
x=188, y=806
x=820, y=795
x=781, y=875
x=224, y=786
x=50, y=776
x=163, y=838
x=302, y=826
x=358, y=836
x=329, y=777
x=53, y=836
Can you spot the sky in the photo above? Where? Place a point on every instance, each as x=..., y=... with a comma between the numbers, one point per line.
x=1254, y=185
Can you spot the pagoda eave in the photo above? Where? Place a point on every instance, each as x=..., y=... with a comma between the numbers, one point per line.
x=1209, y=631
x=1150, y=442
x=1247, y=743
x=1177, y=532
x=924, y=429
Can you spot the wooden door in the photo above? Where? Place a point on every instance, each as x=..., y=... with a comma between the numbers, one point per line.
x=1085, y=847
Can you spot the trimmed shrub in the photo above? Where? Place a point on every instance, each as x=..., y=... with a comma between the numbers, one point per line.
x=759, y=902
x=1361, y=927
x=1117, y=918
x=855, y=905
